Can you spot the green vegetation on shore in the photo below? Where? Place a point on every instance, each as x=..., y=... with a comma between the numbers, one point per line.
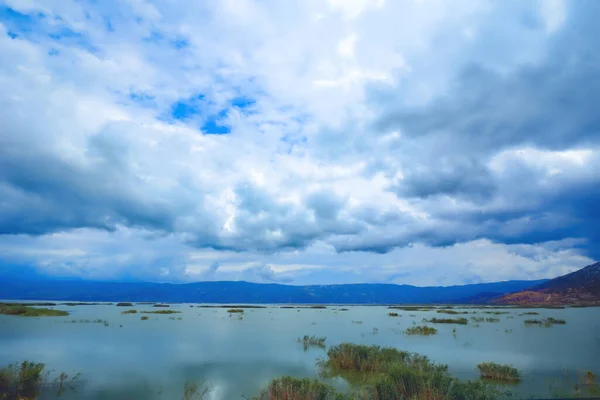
x=24, y=311
x=498, y=371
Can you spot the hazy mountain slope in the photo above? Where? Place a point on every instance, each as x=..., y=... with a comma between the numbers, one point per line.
x=579, y=287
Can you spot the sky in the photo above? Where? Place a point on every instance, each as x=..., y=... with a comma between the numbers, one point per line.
x=414, y=142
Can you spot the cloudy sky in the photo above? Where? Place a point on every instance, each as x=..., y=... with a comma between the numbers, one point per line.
x=306, y=142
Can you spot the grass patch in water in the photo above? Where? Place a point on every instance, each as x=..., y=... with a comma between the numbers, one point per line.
x=547, y=323
x=445, y=311
x=235, y=311
x=161, y=305
x=124, y=305
x=161, y=312
x=461, y=321
x=129, y=312
x=393, y=314
x=421, y=330
x=498, y=371
x=144, y=318
x=24, y=311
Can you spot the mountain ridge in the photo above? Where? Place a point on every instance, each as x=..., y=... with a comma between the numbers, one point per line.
x=578, y=287
x=247, y=292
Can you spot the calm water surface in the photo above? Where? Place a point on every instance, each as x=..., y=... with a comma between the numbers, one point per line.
x=134, y=359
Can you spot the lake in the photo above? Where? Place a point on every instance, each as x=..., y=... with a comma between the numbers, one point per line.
x=135, y=359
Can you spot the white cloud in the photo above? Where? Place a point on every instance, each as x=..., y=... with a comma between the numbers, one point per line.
x=89, y=143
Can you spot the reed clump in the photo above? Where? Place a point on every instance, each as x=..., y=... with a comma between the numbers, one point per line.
x=421, y=330
x=498, y=371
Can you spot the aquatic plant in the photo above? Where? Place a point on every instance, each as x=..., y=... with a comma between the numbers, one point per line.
x=445, y=311
x=129, y=312
x=25, y=311
x=498, y=371
x=161, y=305
x=195, y=391
x=393, y=314
x=547, y=323
x=530, y=313
x=290, y=388
x=461, y=321
x=496, y=312
x=124, y=305
x=421, y=330
x=144, y=318
x=411, y=308
x=391, y=374
x=313, y=340
x=492, y=319
x=235, y=310
x=21, y=381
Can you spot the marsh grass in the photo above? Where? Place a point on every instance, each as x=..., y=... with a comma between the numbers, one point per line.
x=235, y=311
x=290, y=388
x=161, y=305
x=391, y=374
x=546, y=323
x=445, y=311
x=529, y=313
x=25, y=311
x=421, y=330
x=584, y=386
x=195, y=391
x=24, y=381
x=145, y=318
x=129, y=312
x=124, y=305
x=88, y=321
x=393, y=314
x=161, y=312
x=460, y=321
x=411, y=308
x=496, y=312
x=498, y=371
x=313, y=340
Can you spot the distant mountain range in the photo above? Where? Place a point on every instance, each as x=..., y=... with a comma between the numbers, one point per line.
x=579, y=287
x=255, y=293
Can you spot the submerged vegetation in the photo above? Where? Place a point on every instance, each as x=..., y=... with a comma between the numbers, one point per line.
x=421, y=330
x=308, y=341
x=25, y=311
x=461, y=321
x=498, y=371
